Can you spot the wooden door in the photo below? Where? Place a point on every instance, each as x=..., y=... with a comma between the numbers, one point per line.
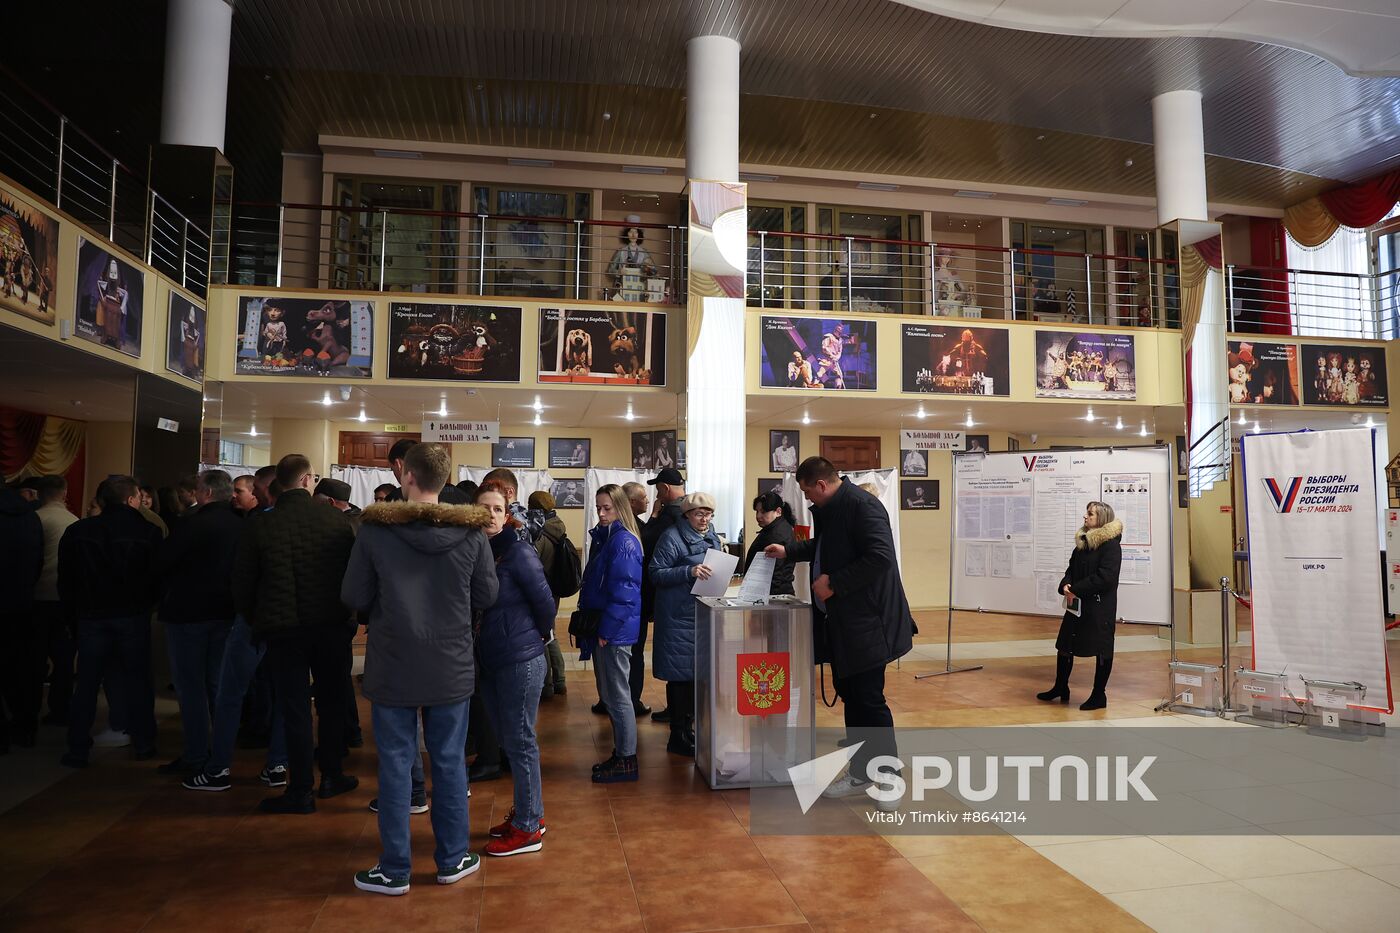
x=852, y=453
x=368, y=448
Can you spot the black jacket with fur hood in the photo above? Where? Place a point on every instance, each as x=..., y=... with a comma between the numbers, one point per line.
x=417, y=575
x=1093, y=577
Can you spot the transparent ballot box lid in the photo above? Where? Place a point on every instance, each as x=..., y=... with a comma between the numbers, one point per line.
x=754, y=703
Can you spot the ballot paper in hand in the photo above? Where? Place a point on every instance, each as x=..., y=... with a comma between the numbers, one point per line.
x=758, y=580
x=721, y=569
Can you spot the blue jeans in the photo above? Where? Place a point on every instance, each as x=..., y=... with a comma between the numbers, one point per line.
x=513, y=700
x=611, y=666
x=126, y=641
x=240, y=663
x=196, y=659
x=396, y=736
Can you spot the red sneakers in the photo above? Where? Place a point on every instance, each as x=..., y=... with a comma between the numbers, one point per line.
x=515, y=841
x=500, y=829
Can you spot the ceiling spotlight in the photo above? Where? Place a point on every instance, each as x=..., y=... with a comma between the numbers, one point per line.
x=538, y=406
x=537, y=419
x=363, y=417
x=969, y=422
x=1142, y=432
x=1255, y=429
x=1089, y=415
x=631, y=415
x=1370, y=422
x=1242, y=418
x=1118, y=425
x=806, y=418
x=326, y=399
x=253, y=431
x=921, y=414
x=442, y=409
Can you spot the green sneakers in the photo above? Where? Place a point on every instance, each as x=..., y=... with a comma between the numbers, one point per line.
x=469, y=863
x=377, y=882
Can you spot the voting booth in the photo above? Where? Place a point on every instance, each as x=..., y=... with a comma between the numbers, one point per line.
x=754, y=712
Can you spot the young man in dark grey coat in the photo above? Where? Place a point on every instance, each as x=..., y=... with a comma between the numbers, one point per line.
x=419, y=570
x=863, y=619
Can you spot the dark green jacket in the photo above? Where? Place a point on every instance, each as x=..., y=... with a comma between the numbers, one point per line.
x=289, y=566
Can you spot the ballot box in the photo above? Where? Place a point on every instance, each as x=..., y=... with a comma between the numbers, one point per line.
x=755, y=714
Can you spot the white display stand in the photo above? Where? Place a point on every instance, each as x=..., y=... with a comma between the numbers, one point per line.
x=1015, y=514
x=1315, y=580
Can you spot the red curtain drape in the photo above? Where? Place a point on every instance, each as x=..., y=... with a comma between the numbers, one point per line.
x=1210, y=251
x=1363, y=204
x=1268, y=260
x=19, y=438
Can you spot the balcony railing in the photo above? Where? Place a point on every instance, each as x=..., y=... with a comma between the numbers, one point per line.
x=47, y=153
x=449, y=252
x=1301, y=301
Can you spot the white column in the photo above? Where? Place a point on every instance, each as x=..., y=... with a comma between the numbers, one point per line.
x=712, y=108
x=194, y=100
x=715, y=385
x=1179, y=150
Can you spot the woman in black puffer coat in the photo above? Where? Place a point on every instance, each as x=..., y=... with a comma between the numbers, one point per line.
x=1092, y=578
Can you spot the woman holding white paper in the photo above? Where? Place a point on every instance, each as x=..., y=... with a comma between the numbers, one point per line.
x=775, y=521
x=675, y=566
x=1090, y=589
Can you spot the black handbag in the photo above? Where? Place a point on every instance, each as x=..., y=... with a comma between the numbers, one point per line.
x=583, y=623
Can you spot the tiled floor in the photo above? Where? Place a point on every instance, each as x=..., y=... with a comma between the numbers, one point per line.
x=118, y=848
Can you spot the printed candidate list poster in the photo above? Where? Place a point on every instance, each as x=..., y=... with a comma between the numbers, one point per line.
x=1312, y=515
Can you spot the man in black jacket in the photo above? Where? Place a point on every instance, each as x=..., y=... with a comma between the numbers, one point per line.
x=22, y=662
x=286, y=582
x=863, y=619
x=195, y=567
x=106, y=579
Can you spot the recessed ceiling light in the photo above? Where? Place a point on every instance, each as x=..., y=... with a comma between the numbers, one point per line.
x=363, y=417
x=531, y=163
x=326, y=399
x=969, y=422
x=1118, y=425
x=537, y=419
x=538, y=406
x=397, y=154
x=1142, y=432
x=877, y=186
x=806, y=418
x=644, y=169
x=1066, y=202
x=974, y=194
x=921, y=414
x=253, y=431
x=756, y=176
x=1089, y=415
x=442, y=409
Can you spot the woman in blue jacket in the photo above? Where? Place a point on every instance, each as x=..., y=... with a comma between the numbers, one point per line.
x=612, y=587
x=510, y=643
x=675, y=566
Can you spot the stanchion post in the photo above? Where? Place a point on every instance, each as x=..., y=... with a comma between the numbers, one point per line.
x=952, y=550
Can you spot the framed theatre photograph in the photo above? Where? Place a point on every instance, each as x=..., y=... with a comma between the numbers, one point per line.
x=514, y=452
x=784, y=451
x=28, y=257
x=111, y=299
x=918, y=495
x=664, y=451
x=641, y=450
x=185, y=338
x=568, y=453
x=913, y=463
x=768, y=484
x=567, y=493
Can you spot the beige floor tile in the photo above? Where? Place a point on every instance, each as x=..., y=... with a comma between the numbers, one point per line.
x=1387, y=873
x=1099, y=915
x=1220, y=906
x=1353, y=841
x=1344, y=901
x=1131, y=863
x=1251, y=856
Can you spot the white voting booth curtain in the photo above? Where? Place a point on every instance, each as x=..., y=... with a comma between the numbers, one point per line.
x=885, y=481
x=363, y=481
x=595, y=479
x=233, y=470
x=529, y=480
x=1315, y=574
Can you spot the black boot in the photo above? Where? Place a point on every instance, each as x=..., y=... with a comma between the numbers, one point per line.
x=1102, y=668
x=1064, y=663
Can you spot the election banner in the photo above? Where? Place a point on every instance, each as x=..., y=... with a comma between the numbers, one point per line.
x=1314, y=564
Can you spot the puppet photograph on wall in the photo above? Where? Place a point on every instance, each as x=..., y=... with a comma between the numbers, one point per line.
x=111, y=295
x=1344, y=374
x=28, y=258
x=947, y=359
x=1088, y=365
x=186, y=338
x=471, y=343
x=1262, y=373
x=603, y=347
x=818, y=353
x=305, y=337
